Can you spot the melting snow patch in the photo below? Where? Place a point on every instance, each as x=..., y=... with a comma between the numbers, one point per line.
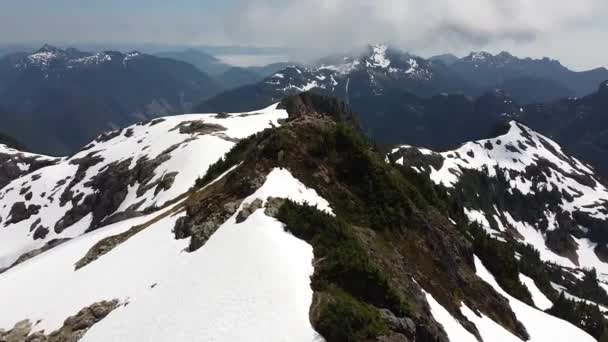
x=280, y=183
x=455, y=331
x=540, y=300
x=541, y=327
x=489, y=330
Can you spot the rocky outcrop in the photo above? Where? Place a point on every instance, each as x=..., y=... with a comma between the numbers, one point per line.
x=111, y=188
x=73, y=329
x=273, y=205
x=20, y=212
x=16, y=164
x=209, y=209
x=248, y=209
x=198, y=127
x=40, y=233
x=310, y=104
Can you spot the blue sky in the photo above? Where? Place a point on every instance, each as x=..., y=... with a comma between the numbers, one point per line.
x=572, y=31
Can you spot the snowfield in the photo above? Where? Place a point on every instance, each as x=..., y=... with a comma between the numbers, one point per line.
x=455, y=331
x=171, y=147
x=249, y=282
x=539, y=299
x=541, y=327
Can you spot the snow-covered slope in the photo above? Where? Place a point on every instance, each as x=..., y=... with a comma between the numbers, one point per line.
x=523, y=186
x=540, y=325
x=15, y=163
x=230, y=259
x=120, y=175
x=214, y=294
x=530, y=189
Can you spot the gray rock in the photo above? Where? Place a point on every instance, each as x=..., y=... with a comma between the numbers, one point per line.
x=248, y=209
x=231, y=206
x=273, y=205
x=35, y=224
x=19, y=212
x=198, y=127
x=394, y=338
x=40, y=233
x=399, y=324
x=18, y=333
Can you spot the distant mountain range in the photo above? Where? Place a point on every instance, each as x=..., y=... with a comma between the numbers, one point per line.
x=580, y=125
x=382, y=69
x=58, y=99
x=54, y=100
x=203, y=61
x=528, y=80
x=227, y=75
x=403, y=98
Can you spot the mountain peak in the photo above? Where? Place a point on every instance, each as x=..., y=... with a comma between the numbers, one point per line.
x=447, y=58
x=310, y=104
x=49, y=48
x=483, y=56
x=378, y=57
x=479, y=55
x=44, y=56
x=505, y=56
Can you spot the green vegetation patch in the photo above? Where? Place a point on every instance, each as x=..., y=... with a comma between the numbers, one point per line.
x=499, y=258
x=344, y=271
x=344, y=318
x=236, y=154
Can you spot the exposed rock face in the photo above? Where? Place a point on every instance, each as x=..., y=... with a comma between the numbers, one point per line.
x=19, y=332
x=198, y=127
x=248, y=209
x=111, y=186
x=401, y=325
x=14, y=164
x=273, y=205
x=122, y=174
x=73, y=329
x=40, y=233
x=311, y=104
x=20, y=212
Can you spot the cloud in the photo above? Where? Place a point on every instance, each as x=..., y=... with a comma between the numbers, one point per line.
x=412, y=24
x=317, y=27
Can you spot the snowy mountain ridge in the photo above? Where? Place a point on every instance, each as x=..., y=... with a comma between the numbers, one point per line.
x=52, y=57
x=526, y=167
x=123, y=173
x=261, y=226
x=521, y=186
x=380, y=61
x=502, y=59
x=15, y=163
